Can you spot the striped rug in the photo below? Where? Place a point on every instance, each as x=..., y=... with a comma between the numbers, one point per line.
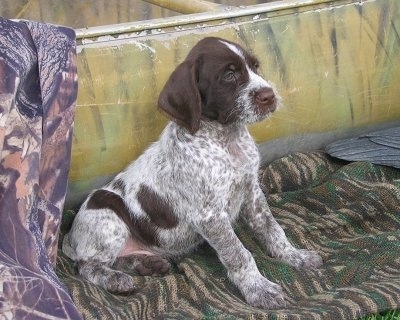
x=348, y=212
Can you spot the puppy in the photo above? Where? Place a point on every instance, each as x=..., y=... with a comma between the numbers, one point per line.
x=191, y=185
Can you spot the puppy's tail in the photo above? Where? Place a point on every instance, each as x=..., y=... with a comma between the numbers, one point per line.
x=67, y=249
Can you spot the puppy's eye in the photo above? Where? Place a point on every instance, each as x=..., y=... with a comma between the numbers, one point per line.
x=255, y=66
x=229, y=76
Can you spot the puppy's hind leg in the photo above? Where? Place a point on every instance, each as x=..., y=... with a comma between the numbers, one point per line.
x=95, y=239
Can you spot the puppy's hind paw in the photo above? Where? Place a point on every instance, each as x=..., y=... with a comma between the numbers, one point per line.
x=119, y=283
x=143, y=264
x=152, y=266
x=103, y=276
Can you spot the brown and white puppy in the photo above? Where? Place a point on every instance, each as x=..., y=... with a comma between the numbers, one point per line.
x=191, y=185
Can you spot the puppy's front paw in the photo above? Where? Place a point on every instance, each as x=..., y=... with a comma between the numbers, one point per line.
x=262, y=293
x=300, y=258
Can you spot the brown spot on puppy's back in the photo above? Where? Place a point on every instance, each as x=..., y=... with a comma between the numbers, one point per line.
x=119, y=185
x=140, y=228
x=160, y=212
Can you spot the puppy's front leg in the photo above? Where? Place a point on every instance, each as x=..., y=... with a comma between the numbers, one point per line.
x=271, y=234
x=242, y=270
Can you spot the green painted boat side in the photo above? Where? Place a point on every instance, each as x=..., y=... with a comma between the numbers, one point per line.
x=335, y=63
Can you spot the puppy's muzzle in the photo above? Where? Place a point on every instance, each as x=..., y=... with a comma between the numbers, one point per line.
x=265, y=99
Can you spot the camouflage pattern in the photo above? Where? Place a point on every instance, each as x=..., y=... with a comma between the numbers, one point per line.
x=38, y=90
x=348, y=212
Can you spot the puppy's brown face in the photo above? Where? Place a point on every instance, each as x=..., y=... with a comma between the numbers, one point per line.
x=217, y=81
x=230, y=88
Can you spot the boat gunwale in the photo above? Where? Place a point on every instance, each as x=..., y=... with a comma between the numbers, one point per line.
x=198, y=18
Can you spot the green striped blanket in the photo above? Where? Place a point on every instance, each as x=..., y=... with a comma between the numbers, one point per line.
x=349, y=212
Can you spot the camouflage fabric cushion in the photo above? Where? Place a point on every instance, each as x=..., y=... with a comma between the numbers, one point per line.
x=349, y=212
x=38, y=89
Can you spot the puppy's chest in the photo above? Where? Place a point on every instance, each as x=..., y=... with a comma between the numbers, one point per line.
x=244, y=160
x=243, y=156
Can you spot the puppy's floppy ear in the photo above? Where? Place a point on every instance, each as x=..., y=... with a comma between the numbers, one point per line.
x=180, y=98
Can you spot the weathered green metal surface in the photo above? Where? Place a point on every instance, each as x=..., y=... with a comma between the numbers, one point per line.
x=81, y=14
x=186, y=7
x=335, y=63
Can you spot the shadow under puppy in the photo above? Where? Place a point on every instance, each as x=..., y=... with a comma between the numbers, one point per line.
x=191, y=185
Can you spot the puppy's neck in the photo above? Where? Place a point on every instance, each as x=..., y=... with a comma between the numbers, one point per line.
x=222, y=134
x=224, y=131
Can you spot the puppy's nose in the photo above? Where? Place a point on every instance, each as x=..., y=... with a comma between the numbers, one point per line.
x=265, y=96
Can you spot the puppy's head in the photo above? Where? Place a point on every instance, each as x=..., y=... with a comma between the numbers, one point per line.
x=217, y=81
